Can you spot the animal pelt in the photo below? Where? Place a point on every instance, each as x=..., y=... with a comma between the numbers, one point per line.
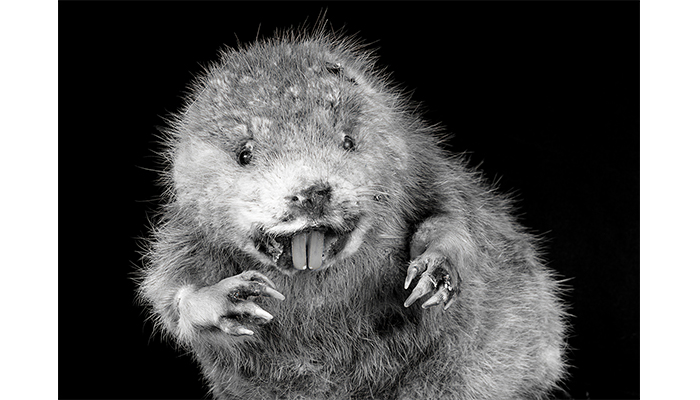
x=317, y=242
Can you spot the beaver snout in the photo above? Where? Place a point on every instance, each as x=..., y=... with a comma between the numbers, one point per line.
x=311, y=201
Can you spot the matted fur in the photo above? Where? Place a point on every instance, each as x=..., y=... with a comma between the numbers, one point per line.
x=343, y=332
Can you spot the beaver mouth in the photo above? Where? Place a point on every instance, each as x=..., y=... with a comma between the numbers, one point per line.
x=309, y=248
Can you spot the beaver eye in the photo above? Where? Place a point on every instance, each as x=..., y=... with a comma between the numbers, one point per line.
x=348, y=143
x=245, y=156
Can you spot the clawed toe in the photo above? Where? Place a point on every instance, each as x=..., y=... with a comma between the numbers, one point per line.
x=240, y=311
x=434, y=278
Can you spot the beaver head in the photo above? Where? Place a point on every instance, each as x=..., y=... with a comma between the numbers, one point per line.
x=286, y=159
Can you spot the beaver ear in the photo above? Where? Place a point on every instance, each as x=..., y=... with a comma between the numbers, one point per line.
x=338, y=70
x=334, y=68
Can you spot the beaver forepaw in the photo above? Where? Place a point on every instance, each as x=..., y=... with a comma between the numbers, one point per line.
x=240, y=310
x=435, y=277
x=226, y=304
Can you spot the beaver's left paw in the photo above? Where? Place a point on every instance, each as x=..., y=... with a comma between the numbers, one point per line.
x=435, y=276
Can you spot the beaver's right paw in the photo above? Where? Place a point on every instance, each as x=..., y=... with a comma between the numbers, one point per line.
x=225, y=305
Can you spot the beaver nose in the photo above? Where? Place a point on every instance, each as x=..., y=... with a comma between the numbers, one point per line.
x=312, y=200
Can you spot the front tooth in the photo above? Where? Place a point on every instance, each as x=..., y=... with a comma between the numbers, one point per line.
x=315, y=255
x=299, y=251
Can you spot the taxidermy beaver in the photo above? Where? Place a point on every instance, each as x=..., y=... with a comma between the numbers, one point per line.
x=318, y=243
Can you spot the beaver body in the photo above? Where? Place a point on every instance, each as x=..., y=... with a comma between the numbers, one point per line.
x=318, y=243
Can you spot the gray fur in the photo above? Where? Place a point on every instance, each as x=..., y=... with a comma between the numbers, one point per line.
x=342, y=331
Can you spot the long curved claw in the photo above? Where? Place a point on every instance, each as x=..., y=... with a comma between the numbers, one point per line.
x=423, y=287
x=412, y=272
x=233, y=328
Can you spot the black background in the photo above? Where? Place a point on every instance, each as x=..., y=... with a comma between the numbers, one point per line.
x=544, y=95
